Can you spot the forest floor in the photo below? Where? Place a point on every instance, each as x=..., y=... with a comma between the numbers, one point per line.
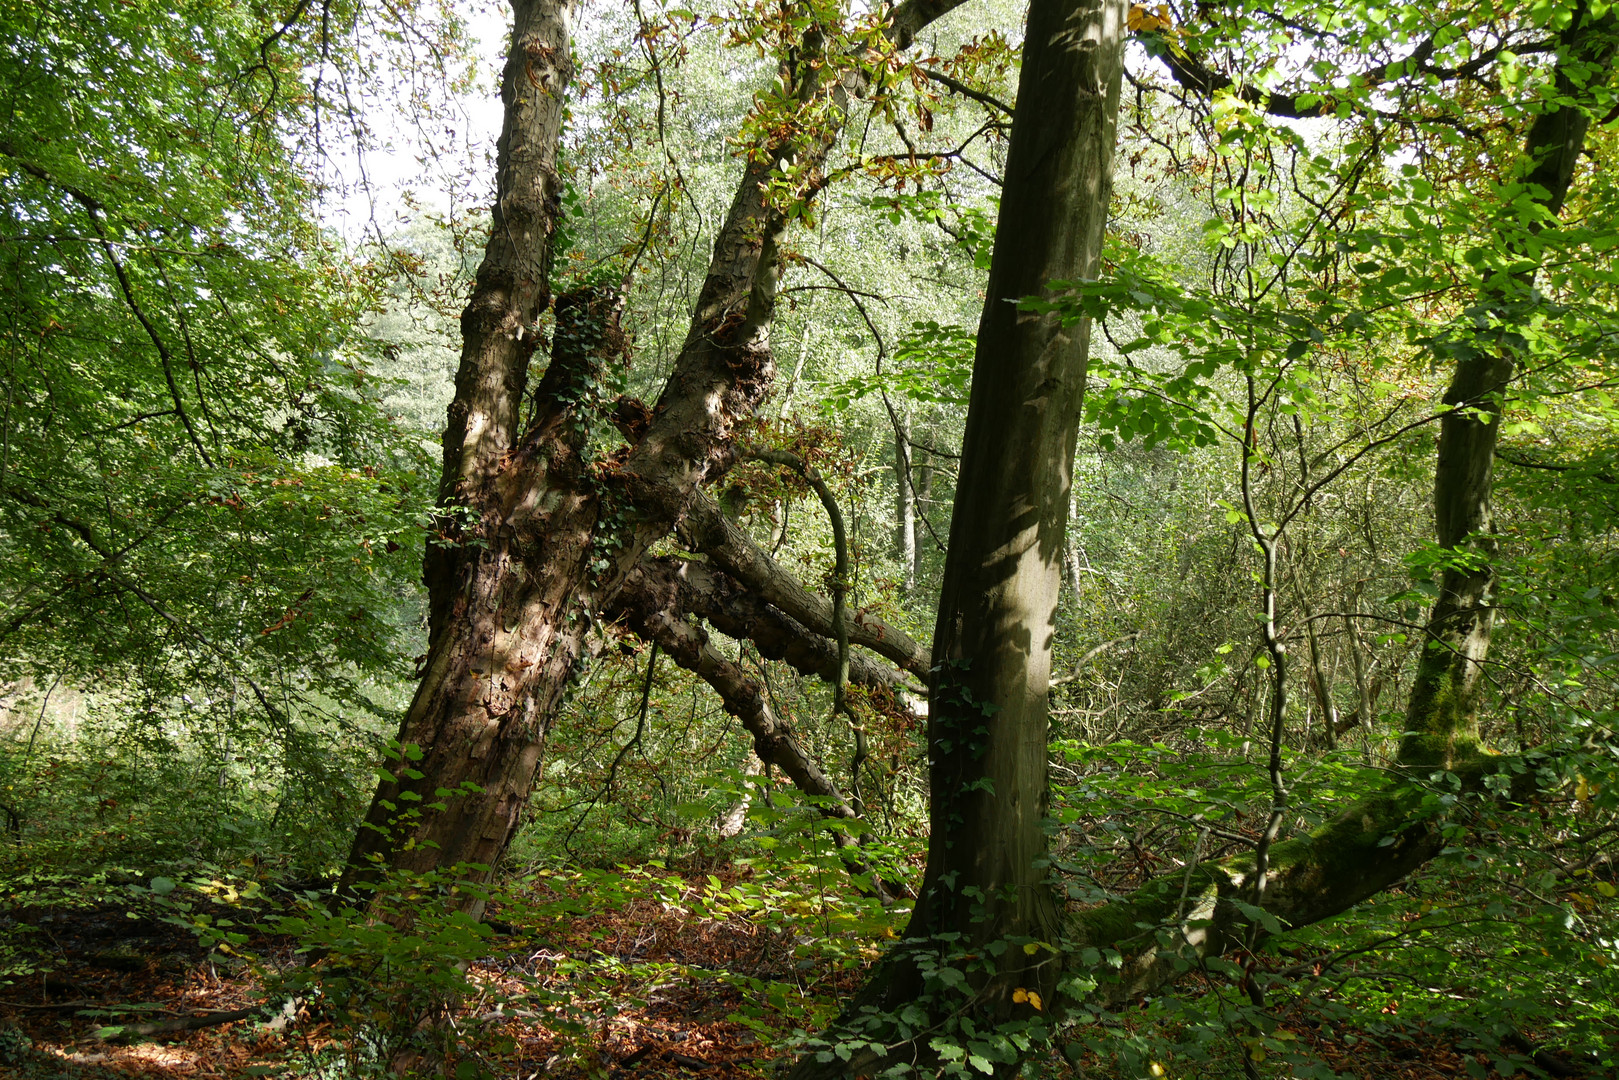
x=651, y=990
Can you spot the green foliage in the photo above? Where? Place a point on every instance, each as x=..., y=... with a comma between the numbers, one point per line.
x=158, y=789
x=932, y=365
x=209, y=515
x=208, y=523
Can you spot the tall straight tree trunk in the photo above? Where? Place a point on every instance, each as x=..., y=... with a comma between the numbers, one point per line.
x=987, y=879
x=904, y=502
x=997, y=608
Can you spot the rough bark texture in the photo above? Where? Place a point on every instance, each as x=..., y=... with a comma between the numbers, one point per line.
x=500, y=648
x=511, y=589
x=650, y=604
x=725, y=365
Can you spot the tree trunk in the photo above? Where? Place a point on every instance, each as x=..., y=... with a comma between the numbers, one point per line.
x=997, y=608
x=1442, y=721
x=534, y=536
x=736, y=818
x=500, y=647
x=986, y=883
x=987, y=875
x=904, y=504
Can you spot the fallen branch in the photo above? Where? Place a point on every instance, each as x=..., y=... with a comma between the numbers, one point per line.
x=171, y=1027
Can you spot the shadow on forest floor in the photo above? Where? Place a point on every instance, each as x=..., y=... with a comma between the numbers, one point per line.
x=670, y=993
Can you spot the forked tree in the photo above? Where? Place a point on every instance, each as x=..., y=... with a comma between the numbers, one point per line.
x=535, y=540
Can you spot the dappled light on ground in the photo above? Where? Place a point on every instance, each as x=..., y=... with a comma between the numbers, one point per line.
x=653, y=974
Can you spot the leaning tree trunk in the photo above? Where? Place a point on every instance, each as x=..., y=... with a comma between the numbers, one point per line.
x=987, y=879
x=501, y=645
x=533, y=537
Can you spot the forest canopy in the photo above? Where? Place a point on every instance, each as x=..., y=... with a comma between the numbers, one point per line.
x=955, y=537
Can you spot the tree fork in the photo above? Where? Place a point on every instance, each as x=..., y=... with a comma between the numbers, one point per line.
x=500, y=648
x=509, y=590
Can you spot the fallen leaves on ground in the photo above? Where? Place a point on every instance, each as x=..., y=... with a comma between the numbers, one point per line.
x=640, y=988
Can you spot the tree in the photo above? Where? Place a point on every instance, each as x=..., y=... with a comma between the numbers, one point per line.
x=199, y=496
x=986, y=891
x=537, y=535
x=539, y=532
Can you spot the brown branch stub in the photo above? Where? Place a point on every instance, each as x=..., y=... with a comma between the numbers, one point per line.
x=631, y=416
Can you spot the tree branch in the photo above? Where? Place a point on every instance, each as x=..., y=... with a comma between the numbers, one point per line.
x=650, y=604
x=94, y=209
x=964, y=90
x=708, y=530
x=735, y=611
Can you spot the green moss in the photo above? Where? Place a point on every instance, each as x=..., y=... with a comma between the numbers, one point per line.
x=1441, y=728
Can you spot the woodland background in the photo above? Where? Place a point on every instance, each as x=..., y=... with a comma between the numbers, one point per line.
x=230, y=337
